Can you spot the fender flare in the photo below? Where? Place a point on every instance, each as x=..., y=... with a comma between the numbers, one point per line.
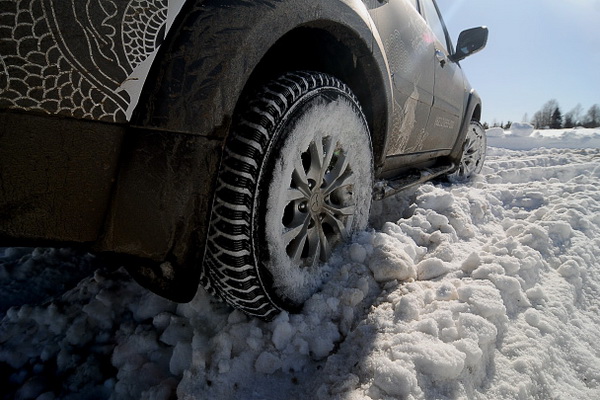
x=202, y=68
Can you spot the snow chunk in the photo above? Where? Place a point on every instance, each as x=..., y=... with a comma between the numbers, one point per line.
x=471, y=263
x=440, y=360
x=267, y=363
x=473, y=353
x=431, y=268
x=484, y=299
x=358, y=253
x=437, y=200
x=181, y=358
x=494, y=132
x=282, y=335
x=393, y=378
x=390, y=261
x=521, y=129
x=474, y=327
x=321, y=345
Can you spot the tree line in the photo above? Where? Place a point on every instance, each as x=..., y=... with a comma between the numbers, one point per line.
x=550, y=116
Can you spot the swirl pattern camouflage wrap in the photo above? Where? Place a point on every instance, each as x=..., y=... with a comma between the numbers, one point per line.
x=71, y=57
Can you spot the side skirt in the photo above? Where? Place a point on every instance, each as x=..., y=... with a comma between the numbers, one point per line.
x=386, y=188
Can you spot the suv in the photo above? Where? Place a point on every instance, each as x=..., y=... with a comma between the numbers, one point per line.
x=227, y=143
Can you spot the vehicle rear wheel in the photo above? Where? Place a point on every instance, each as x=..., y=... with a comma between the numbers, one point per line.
x=473, y=155
x=295, y=181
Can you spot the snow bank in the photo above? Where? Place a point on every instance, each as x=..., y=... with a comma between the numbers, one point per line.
x=494, y=132
x=485, y=290
x=524, y=137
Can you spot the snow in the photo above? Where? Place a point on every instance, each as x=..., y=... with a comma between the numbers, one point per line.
x=522, y=136
x=521, y=129
x=481, y=290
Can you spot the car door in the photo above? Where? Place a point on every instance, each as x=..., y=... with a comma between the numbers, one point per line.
x=444, y=120
x=402, y=31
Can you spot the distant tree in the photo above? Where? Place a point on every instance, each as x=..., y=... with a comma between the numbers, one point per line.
x=486, y=125
x=592, y=118
x=525, y=118
x=537, y=120
x=573, y=117
x=507, y=125
x=568, y=122
x=556, y=121
x=543, y=118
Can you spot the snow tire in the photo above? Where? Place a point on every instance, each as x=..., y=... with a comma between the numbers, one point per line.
x=273, y=227
x=473, y=154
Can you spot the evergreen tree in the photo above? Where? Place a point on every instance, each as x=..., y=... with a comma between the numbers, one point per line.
x=568, y=122
x=556, y=120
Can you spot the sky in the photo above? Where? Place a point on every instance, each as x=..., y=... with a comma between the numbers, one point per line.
x=537, y=50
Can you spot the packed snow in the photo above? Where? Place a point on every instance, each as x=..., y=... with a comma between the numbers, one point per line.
x=522, y=136
x=482, y=290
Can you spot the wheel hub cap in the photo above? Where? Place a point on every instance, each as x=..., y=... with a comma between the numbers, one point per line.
x=315, y=217
x=316, y=202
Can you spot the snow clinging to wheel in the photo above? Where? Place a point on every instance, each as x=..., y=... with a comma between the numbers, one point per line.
x=321, y=206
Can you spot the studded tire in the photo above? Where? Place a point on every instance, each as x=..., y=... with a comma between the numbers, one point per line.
x=295, y=181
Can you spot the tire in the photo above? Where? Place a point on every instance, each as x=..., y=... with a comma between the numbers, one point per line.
x=295, y=181
x=473, y=154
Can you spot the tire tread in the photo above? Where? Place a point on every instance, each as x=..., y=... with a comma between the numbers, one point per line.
x=230, y=271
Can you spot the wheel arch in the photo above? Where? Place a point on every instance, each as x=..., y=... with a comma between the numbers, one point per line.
x=332, y=48
x=204, y=71
x=472, y=112
x=216, y=54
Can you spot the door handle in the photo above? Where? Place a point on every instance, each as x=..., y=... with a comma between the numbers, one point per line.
x=441, y=56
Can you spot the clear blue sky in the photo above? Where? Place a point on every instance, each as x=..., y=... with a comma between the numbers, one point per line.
x=537, y=50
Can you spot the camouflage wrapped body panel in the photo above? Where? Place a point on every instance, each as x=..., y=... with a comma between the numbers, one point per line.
x=73, y=58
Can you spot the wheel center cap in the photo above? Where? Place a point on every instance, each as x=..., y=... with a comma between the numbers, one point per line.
x=316, y=202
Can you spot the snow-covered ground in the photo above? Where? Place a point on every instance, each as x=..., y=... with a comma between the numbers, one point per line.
x=525, y=137
x=484, y=290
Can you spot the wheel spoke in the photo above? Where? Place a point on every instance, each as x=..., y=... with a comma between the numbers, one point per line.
x=324, y=246
x=337, y=224
x=294, y=195
x=295, y=239
x=346, y=179
x=299, y=178
x=314, y=239
x=315, y=169
x=339, y=171
x=343, y=211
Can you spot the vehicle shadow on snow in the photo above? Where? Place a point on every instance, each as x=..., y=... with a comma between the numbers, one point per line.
x=32, y=275
x=106, y=336
x=390, y=321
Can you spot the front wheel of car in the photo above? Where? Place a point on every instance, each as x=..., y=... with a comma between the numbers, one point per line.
x=295, y=181
x=473, y=154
